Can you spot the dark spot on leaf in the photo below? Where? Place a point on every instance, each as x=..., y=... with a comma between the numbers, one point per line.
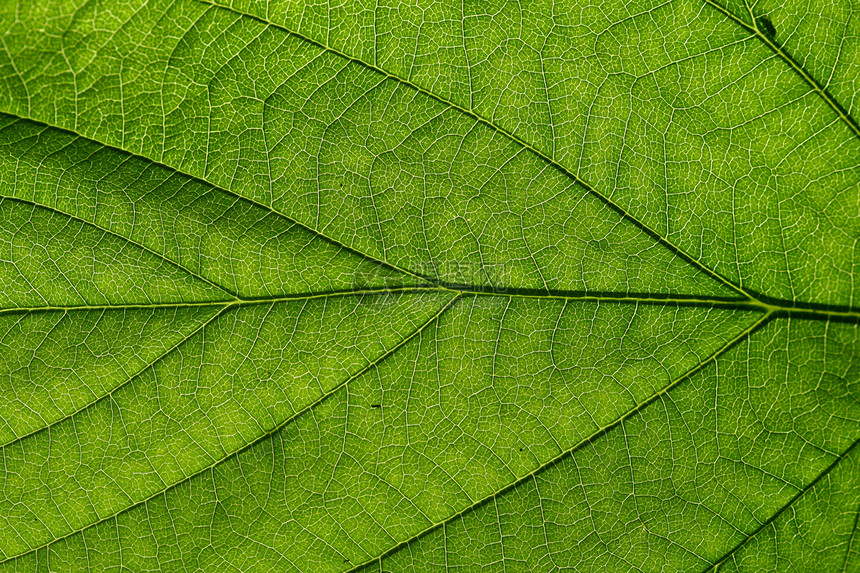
x=601, y=245
x=376, y=405
x=766, y=26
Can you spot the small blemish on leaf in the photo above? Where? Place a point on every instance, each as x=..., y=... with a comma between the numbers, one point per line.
x=601, y=245
x=765, y=26
x=376, y=405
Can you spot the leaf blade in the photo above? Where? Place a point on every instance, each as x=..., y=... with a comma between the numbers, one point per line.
x=507, y=286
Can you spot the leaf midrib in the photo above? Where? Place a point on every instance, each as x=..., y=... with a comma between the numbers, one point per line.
x=777, y=309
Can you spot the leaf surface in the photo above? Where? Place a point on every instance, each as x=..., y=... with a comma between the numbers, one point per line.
x=428, y=286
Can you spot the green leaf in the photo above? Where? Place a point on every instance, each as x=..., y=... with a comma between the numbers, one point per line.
x=414, y=286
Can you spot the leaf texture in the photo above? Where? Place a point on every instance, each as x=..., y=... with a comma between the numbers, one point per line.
x=419, y=286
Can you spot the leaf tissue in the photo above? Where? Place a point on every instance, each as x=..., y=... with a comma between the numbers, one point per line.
x=415, y=285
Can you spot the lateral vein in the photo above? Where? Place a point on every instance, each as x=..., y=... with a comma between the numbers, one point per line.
x=793, y=64
x=678, y=251
x=580, y=445
x=259, y=439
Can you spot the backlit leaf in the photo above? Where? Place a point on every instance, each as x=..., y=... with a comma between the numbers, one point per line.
x=409, y=285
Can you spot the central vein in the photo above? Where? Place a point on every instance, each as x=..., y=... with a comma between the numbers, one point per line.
x=776, y=308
